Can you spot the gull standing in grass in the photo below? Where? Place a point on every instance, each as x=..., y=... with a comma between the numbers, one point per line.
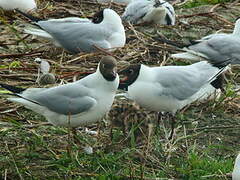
x=75, y=104
x=170, y=88
x=236, y=170
x=216, y=48
x=76, y=35
x=149, y=11
x=22, y=5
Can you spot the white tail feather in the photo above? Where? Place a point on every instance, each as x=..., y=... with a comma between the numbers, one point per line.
x=187, y=56
x=38, y=32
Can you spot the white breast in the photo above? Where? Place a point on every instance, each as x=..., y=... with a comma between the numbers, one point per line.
x=148, y=96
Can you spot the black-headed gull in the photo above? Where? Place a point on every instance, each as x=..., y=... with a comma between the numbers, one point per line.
x=169, y=88
x=236, y=169
x=74, y=104
x=22, y=5
x=151, y=11
x=76, y=35
x=216, y=48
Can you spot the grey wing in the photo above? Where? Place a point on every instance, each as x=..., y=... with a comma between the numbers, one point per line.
x=205, y=38
x=78, y=37
x=219, y=48
x=183, y=82
x=136, y=10
x=70, y=19
x=68, y=99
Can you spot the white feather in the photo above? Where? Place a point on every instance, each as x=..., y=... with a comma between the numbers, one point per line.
x=187, y=56
x=38, y=32
x=22, y=5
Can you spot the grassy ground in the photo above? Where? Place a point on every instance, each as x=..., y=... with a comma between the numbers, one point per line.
x=131, y=144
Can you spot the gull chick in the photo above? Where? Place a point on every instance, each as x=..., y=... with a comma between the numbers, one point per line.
x=236, y=170
x=22, y=5
x=216, y=48
x=75, y=104
x=76, y=35
x=150, y=11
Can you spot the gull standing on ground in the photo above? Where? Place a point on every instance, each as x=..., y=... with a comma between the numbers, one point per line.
x=170, y=88
x=236, y=170
x=150, y=11
x=75, y=104
x=215, y=48
x=77, y=35
x=22, y=5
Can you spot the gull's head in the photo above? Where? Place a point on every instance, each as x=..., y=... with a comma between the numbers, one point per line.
x=106, y=15
x=129, y=75
x=98, y=17
x=108, y=68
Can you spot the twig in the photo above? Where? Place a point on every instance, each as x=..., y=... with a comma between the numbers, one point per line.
x=21, y=54
x=198, y=14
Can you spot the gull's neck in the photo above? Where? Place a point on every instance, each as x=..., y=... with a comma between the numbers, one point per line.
x=145, y=73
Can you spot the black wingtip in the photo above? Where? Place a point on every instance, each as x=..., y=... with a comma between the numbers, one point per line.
x=192, y=42
x=13, y=89
x=32, y=18
x=218, y=82
x=221, y=64
x=168, y=20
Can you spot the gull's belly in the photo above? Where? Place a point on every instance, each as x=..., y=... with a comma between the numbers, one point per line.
x=150, y=97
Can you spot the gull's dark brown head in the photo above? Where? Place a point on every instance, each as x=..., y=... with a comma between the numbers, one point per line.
x=98, y=17
x=129, y=76
x=108, y=68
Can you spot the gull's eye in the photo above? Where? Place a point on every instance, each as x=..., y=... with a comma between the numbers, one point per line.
x=130, y=71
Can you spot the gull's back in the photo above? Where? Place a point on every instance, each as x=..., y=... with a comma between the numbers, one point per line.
x=77, y=37
x=136, y=10
x=219, y=48
x=182, y=82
